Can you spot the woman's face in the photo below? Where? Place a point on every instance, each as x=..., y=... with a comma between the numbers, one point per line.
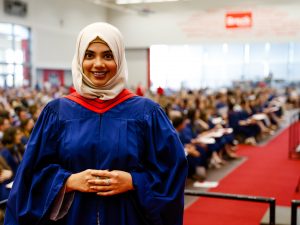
x=30, y=125
x=99, y=64
x=18, y=136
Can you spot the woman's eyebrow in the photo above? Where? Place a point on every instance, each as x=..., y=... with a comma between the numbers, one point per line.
x=108, y=51
x=104, y=52
x=89, y=51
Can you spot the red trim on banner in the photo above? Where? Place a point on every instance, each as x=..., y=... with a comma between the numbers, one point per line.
x=148, y=69
x=97, y=105
x=26, y=68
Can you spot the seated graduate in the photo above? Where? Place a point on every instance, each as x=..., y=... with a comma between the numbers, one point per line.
x=13, y=148
x=197, y=155
x=6, y=176
x=242, y=124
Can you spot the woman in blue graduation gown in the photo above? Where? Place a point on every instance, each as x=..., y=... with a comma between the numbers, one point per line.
x=100, y=155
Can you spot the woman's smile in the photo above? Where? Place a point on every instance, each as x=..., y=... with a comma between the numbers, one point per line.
x=100, y=74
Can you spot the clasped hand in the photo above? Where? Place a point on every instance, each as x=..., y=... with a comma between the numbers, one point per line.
x=102, y=182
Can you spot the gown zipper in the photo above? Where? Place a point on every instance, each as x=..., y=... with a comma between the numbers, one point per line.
x=98, y=217
x=98, y=208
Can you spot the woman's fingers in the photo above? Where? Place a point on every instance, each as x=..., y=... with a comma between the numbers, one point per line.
x=101, y=173
x=100, y=181
x=103, y=182
x=99, y=188
x=107, y=193
x=111, y=182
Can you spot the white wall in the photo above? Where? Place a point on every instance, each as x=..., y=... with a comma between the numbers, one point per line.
x=195, y=22
x=55, y=25
x=137, y=60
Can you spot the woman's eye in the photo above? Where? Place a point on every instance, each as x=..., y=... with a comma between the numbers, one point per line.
x=88, y=55
x=108, y=56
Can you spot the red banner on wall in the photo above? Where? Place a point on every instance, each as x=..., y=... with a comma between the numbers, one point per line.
x=238, y=20
x=54, y=77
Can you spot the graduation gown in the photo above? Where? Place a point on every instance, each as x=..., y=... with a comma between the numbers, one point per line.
x=70, y=136
x=12, y=160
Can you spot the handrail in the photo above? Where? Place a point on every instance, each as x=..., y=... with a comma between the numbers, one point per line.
x=3, y=204
x=3, y=201
x=271, y=201
x=295, y=204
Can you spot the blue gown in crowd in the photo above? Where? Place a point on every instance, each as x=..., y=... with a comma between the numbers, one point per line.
x=134, y=136
x=12, y=160
x=247, y=131
x=186, y=135
x=4, y=191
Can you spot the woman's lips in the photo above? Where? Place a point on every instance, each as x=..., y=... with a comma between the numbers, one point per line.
x=100, y=74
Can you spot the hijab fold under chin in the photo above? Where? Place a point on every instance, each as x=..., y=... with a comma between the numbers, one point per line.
x=112, y=36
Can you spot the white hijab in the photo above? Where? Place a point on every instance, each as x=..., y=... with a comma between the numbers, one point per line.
x=112, y=36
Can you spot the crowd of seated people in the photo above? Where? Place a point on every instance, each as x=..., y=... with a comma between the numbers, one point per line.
x=208, y=123
x=19, y=110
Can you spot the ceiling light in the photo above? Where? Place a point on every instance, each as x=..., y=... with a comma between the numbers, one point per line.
x=128, y=1
x=142, y=1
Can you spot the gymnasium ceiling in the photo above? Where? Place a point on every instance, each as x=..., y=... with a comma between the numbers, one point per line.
x=170, y=4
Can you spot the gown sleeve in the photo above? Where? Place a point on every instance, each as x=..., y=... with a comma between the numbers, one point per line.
x=40, y=176
x=159, y=184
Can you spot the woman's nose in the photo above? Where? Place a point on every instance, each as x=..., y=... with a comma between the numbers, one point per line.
x=99, y=62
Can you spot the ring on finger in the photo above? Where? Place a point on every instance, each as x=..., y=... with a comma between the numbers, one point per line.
x=107, y=182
